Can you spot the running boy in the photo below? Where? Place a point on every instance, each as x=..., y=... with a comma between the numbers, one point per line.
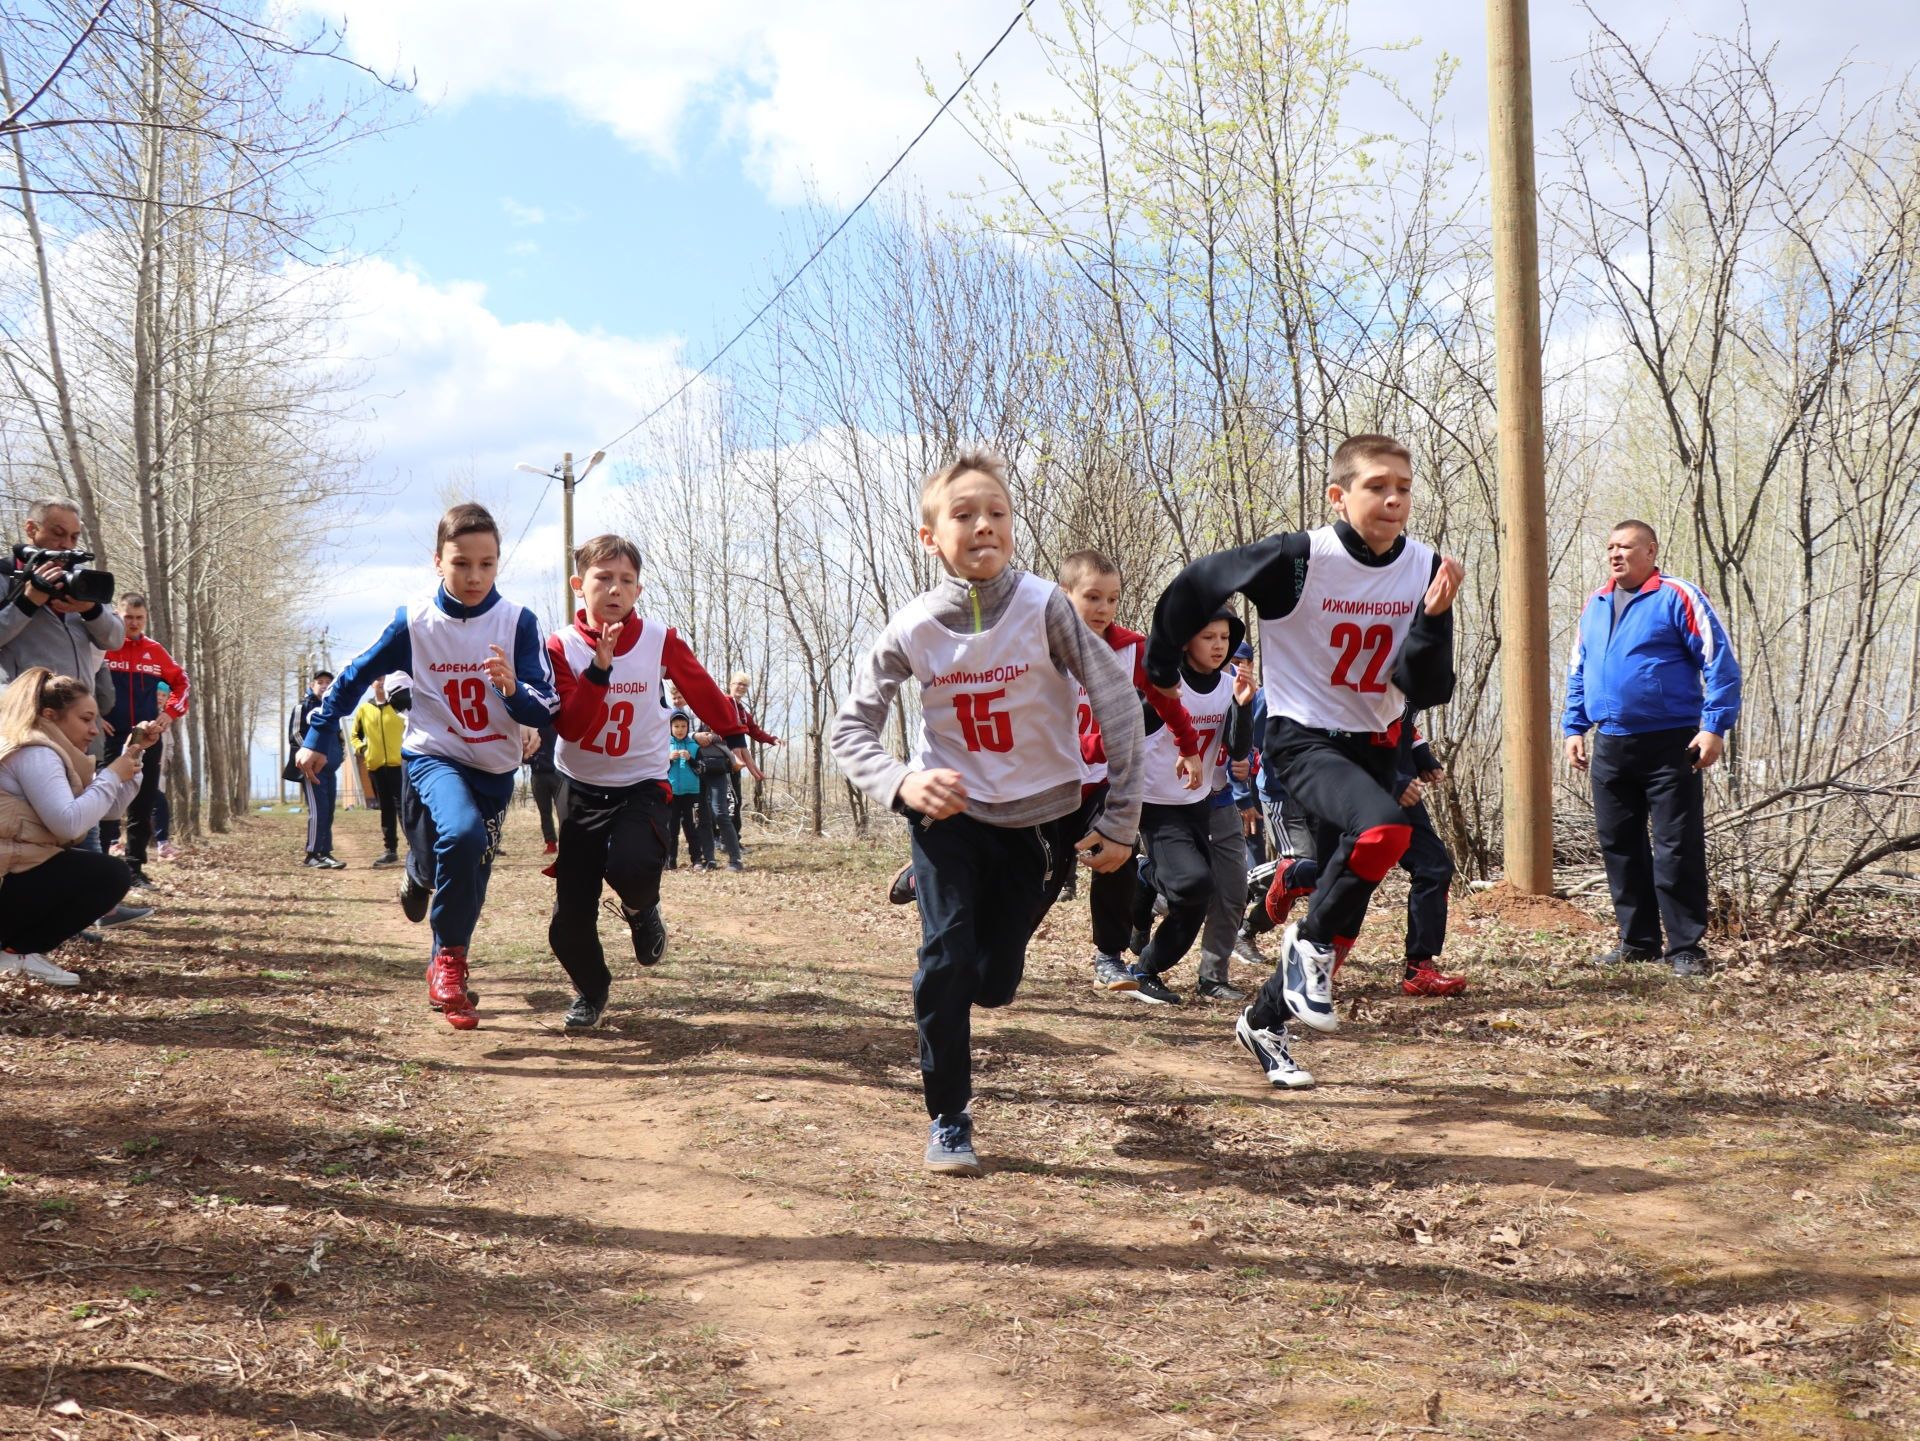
x=614, y=750
x=1176, y=825
x=996, y=778
x=1092, y=583
x=1356, y=624
x=482, y=675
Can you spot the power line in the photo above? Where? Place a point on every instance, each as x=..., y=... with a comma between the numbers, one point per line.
x=539, y=506
x=847, y=220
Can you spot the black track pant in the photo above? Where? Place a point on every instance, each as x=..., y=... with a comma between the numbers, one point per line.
x=545, y=786
x=1641, y=782
x=1361, y=831
x=1109, y=893
x=618, y=836
x=59, y=898
x=140, y=809
x=981, y=890
x=386, y=790
x=1179, y=843
x=686, y=821
x=1430, y=873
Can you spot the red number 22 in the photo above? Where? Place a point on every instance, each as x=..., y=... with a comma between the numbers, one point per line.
x=1377, y=640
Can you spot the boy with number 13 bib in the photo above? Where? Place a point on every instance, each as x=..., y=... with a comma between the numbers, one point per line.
x=1356, y=625
x=994, y=788
x=480, y=673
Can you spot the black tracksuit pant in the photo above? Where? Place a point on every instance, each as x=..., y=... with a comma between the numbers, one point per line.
x=1430, y=874
x=545, y=786
x=1344, y=781
x=1179, y=843
x=685, y=821
x=59, y=898
x=981, y=890
x=386, y=790
x=1109, y=893
x=1644, y=782
x=140, y=808
x=617, y=836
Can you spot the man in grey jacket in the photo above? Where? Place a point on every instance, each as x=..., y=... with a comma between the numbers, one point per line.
x=68, y=637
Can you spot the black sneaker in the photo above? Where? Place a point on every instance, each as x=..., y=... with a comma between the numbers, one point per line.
x=1212, y=990
x=648, y=929
x=1625, y=955
x=584, y=1015
x=387, y=858
x=140, y=881
x=735, y=865
x=1138, y=938
x=414, y=898
x=900, y=889
x=122, y=915
x=1151, y=989
x=1688, y=964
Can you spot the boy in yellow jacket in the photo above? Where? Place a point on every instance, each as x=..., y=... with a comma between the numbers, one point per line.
x=377, y=728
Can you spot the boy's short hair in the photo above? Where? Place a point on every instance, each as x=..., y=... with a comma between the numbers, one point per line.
x=1357, y=448
x=133, y=599
x=1648, y=531
x=1083, y=563
x=974, y=458
x=603, y=548
x=468, y=518
x=323, y=675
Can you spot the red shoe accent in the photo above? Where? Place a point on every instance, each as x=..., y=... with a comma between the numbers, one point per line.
x=1342, y=948
x=447, y=980
x=548, y=871
x=1282, y=898
x=553, y=848
x=1424, y=980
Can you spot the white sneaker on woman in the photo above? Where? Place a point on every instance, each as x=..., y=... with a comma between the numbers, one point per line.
x=37, y=966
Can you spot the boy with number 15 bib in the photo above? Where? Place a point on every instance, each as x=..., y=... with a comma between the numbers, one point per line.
x=1356, y=625
x=479, y=671
x=994, y=789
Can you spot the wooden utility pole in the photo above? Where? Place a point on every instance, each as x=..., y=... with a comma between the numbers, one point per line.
x=566, y=537
x=1526, y=719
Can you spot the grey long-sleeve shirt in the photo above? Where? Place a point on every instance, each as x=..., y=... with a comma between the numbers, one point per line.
x=1076, y=652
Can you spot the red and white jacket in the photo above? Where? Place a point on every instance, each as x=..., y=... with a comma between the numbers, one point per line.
x=138, y=668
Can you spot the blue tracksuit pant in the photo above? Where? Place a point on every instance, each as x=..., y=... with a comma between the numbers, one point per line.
x=454, y=818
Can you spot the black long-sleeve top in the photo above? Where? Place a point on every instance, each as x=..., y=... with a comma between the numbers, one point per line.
x=1272, y=573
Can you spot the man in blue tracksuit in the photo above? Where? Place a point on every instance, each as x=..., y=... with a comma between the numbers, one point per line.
x=1652, y=676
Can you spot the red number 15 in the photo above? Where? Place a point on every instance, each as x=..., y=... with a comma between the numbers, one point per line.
x=984, y=728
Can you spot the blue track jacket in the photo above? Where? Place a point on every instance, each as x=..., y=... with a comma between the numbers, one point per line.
x=1666, y=666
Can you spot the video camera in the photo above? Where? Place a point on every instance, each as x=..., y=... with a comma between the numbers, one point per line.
x=75, y=581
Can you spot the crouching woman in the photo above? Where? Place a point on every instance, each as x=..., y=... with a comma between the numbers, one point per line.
x=50, y=797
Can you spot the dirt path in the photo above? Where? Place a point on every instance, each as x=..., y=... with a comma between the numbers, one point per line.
x=1574, y=1204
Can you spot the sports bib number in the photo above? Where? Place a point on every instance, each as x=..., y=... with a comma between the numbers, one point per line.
x=618, y=735
x=983, y=727
x=1375, y=642
x=467, y=699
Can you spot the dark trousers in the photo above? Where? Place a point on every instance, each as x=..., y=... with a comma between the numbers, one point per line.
x=686, y=821
x=1430, y=875
x=386, y=790
x=617, y=836
x=735, y=779
x=1647, y=782
x=715, y=816
x=1109, y=893
x=1179, y=843
x=545, y=786
x=162, y=818
x=58, y=899
x=321, y=796
x=1344, y=782
x=981, y=890
x=140, y=809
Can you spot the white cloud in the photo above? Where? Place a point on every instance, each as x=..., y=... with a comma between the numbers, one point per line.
x=456, y=397
x=520, y=214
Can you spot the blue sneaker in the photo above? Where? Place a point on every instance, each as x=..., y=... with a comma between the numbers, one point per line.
x=1308, y=981
x=950, y=1146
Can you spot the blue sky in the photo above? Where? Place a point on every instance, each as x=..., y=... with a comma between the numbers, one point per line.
x=595, y=191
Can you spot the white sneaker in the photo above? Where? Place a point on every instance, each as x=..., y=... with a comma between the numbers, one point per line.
x=1307, y=981
x=1269, y=1050
x=38, y=966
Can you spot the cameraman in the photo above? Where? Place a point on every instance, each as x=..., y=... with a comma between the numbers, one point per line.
x=39, y=627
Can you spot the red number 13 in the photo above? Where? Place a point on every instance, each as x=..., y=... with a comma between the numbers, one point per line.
x=467, y=699
x=984, y=728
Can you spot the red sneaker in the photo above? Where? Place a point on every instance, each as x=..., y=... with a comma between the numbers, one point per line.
x=553, y=848
x=447, y=988
x=1282, y=898
x=1423, y=980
